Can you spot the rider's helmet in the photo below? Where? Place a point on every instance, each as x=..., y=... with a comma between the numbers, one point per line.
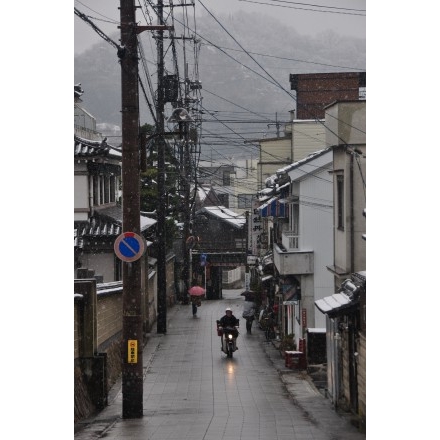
x=228, y=309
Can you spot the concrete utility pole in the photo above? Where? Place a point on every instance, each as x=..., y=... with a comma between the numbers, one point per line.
x=132, y=369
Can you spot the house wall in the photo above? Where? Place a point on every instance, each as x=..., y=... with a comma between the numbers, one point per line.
x=308, y=137
x=317, y=235
x=316, y=90
x=347, y=243
x=103, y=263
x=346, y=122
x=313, y=184
x=307, y=302
x=245, y=182
x=219, y=236
x=81, y=194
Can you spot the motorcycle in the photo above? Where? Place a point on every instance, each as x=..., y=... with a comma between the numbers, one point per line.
x=228, y=338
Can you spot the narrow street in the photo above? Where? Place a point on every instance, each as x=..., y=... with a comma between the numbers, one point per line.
x=193, y=391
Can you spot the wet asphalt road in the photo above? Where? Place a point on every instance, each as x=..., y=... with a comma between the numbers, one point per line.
x=192, y=391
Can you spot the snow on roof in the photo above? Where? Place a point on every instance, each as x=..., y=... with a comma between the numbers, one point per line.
x=333, y=302
x=265, y=194
x=202, y=192
x=147, y=222
x=87, y=147
x=226, y=214
x=273, y=199
x=317, y=330
x=310, y=157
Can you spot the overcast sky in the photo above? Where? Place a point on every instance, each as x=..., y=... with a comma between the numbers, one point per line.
x=347, y=17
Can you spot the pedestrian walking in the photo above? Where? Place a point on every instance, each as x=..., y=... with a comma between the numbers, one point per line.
x=249, y=314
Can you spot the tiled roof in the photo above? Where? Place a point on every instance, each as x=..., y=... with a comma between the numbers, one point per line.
x=106, y=223
x=88, y=148
x=114, y=213
x=95, y=229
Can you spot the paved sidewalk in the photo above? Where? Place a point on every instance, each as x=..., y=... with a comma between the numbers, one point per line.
x=303, y=392
x=164, y=416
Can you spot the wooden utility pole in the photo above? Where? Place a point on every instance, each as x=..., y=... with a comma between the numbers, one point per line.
x=161, y=208
x=132, y=369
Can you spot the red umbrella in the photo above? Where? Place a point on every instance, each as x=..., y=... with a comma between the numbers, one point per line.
x=196, y=291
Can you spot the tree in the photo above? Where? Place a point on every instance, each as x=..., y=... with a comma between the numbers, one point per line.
x=149, y=197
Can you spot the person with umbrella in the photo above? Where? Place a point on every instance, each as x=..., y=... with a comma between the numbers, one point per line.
x=196, y=292
x=249, y=314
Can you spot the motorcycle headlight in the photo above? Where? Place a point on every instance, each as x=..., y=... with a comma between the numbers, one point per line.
x=229, y=336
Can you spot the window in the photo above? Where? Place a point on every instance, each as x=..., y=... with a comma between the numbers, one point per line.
x=244, y=201
x=340, y=200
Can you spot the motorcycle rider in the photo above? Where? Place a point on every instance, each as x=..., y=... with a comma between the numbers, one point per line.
x=228, y=319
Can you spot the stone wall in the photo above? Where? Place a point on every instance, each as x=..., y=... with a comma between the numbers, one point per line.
x=109, y=309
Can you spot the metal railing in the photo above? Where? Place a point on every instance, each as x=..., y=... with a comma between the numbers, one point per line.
x=290, y=240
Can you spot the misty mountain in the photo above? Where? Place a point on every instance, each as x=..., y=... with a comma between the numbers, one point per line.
x=279, y=49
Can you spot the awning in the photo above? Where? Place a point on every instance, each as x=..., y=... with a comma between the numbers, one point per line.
x=335, y=303
x=348, y=296
x=274, y=207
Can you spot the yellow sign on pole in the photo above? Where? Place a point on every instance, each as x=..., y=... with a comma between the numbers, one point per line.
x=132, y=351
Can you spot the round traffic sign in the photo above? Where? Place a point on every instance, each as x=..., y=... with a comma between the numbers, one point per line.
x=129, y=247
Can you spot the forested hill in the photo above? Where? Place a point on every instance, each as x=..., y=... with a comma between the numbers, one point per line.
x=231, y=83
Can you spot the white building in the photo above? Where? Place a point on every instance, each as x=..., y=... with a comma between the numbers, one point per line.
x=303, y=246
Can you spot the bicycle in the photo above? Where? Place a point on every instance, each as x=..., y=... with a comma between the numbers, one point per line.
x=269, y=330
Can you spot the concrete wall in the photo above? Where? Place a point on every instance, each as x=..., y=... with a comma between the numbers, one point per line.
x=103, y=263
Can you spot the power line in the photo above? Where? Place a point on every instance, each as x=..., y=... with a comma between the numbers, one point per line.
x=287, y=59
x=306, y=9
x=97, y=30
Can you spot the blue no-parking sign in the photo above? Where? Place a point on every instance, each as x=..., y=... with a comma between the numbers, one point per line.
x=129, y=247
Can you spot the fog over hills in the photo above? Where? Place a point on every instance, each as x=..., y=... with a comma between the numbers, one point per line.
x=230, y=90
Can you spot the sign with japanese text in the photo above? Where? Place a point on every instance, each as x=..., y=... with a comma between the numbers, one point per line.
x=304, y=318
x=255, y=228
x=132, y=351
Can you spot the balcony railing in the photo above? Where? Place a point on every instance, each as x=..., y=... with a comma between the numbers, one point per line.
x=290, y=240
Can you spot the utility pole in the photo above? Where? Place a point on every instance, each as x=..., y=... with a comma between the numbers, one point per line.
x=161, y=208
x=187, y=213
x=292, y=118
x=187, y=176
x=247, y=277
x=132, y=369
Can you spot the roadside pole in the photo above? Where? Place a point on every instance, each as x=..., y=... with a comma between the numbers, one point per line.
x=132, y=335
x=247, y=277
